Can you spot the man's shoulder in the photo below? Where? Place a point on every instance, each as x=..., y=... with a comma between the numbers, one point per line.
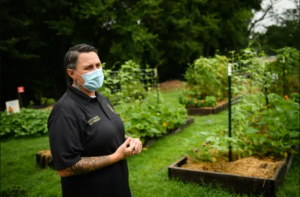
x=64, y=106
x=102, y=97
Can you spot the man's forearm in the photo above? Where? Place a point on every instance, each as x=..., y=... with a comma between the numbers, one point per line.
x=87, y=164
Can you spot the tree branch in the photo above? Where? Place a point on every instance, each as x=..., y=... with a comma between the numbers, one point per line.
x=261, y=18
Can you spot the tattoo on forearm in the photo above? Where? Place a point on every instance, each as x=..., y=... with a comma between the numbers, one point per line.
x=88, y=164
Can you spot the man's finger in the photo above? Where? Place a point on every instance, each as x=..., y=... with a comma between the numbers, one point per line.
x=130, y=148
x=127, y=142
x=135, y=144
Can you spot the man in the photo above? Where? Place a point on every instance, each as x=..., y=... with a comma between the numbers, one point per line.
x=87, y=138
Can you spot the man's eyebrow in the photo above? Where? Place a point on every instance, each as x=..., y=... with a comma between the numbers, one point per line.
x=88, y=65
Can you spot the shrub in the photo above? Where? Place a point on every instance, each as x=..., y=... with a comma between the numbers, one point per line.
x=46, y=101
x=29, y=122
x=286, y=76
x=295, y=97
x=208, y=77
x=149, y=119
x=210, y=101
x=257, y=130
x=127, y=84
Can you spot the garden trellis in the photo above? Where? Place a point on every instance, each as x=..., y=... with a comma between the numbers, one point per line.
x=255, y=118
x=244, y=78
x=130, y=83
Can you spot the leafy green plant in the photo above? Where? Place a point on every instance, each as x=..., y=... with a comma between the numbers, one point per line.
x=210, y=101
x=127, y=84
x=295, y=97
x=286, y=74
x=263, y=123
x=208, y=77
x=149, y=119
x=29, y=122
x=257, y=130
x=187, y=97
x=47, y=101
x=205, y=77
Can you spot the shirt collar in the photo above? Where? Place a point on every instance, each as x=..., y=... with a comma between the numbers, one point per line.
x=82, y=97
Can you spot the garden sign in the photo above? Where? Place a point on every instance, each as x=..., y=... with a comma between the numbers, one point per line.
x=12, y=106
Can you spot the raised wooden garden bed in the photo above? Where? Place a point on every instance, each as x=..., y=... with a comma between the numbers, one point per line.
x=148, y=140
x=221, y=105
x=236, y=183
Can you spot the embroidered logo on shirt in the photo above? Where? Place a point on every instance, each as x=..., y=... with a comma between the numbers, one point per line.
x=93, y=120
x=111, y=109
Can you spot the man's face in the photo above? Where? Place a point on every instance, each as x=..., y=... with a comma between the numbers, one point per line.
x=86, y=62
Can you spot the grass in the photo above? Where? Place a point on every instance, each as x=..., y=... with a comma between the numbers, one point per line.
x=148, y=173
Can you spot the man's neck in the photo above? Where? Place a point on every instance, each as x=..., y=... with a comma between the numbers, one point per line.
x=82, y=89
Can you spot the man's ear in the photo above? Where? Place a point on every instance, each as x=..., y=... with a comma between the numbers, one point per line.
x=71, y=73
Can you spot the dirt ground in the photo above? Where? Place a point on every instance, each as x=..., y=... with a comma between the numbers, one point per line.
x=172, y=85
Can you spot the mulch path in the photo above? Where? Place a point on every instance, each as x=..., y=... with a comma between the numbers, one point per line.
x=172, y=85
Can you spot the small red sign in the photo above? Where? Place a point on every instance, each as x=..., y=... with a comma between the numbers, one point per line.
x=21, y=89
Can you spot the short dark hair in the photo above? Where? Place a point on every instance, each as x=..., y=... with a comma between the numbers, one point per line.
x=71, y=56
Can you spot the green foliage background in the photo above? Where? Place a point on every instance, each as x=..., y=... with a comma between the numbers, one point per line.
x=35, y=36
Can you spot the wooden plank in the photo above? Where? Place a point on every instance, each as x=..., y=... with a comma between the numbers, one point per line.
x=209, y=110
x=236, y=183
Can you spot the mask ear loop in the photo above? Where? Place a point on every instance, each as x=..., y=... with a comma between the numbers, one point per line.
x=78, y=80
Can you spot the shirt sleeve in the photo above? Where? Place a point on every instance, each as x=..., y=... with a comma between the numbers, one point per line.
x=66, y=141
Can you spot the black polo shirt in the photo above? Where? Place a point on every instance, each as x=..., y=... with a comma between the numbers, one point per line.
x=81, y=126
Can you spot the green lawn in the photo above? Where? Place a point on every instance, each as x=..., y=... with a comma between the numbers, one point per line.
x=148, y=171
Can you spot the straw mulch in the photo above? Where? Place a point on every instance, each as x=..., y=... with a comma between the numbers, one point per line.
x=172, y=85
x=47, y=108
x=250, y=166
x=45, y=156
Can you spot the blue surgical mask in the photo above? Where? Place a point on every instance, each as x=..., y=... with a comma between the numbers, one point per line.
x=93, y=80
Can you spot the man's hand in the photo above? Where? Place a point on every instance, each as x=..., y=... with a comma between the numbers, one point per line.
x=89, y=164
x=137, y=144
x=123, y=151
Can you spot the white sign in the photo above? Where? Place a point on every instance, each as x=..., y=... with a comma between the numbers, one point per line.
x=12, y=106
x=229, y=69
x=274, y=76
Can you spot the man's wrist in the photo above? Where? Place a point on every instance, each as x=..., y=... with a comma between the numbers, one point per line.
x=114, y=158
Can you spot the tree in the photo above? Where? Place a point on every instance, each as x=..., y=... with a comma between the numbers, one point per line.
x=283, y=34
x=165, y=34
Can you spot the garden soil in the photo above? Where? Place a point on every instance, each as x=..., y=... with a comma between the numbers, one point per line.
x=250, y=166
